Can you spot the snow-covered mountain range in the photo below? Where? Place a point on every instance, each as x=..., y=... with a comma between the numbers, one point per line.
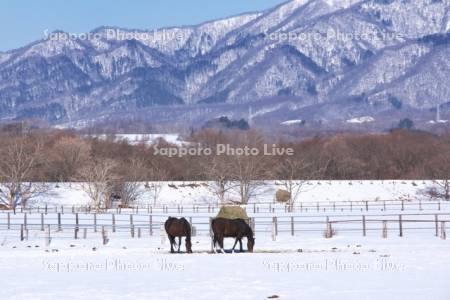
x=317, y=60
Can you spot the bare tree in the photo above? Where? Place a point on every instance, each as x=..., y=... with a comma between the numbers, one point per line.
x=218, y=172
x=440, y=170
x=97, y=181
x=18, y=160
x=288, y=170
x=294, y=173
x=68, y=155
x=129, y=186
x=248, y=171
x=157, y=175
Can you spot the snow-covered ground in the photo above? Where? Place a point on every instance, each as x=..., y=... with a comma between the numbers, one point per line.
x=293, y=265
x=348, y=267
x=187, y=193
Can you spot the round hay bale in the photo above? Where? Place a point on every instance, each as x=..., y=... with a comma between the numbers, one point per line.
x=282, y=196
x=232, y=212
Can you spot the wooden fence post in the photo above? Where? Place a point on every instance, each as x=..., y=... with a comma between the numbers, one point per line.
x=274, y=229
x=75, y=232
x=403, y=205
x=364, y=225
x=400, y=225
x=42, y=222
x=150, y=224
x=46, y=208
x=77, y=220
x=25, y=220
x=21, y=232
x=329, y=229
x=292, y=226
x=104, y=236
x=132, y=230
x=385, y=230
x=48, y=239
x=443, y=233
x=367, y=205
x=436, y=224
x=59, y=222
x=95, y=222
x=9, y=220
x=84, y=233
x=113, y=221
x=139, y=232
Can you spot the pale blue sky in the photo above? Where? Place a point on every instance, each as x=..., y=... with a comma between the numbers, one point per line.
x=24, y=21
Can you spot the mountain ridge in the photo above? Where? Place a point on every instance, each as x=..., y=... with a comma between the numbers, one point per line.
x=304, y=55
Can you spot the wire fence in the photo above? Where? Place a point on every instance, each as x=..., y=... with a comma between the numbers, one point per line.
x=109, y=225
x=256, y=208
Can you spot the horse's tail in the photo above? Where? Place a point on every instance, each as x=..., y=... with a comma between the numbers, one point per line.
x=249, y=230
x=188, y=229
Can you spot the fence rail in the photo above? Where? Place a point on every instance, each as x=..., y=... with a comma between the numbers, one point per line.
x=260, y=207
x=80, y=225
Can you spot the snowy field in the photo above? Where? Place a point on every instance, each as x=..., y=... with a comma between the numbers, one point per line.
x=292, y=260
x=290, y=268
x=188, y=193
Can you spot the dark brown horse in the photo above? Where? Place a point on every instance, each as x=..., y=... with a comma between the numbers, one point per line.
x=178, y=228
x=237, y=228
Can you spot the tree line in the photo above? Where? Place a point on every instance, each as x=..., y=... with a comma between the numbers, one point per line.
x=30, y=158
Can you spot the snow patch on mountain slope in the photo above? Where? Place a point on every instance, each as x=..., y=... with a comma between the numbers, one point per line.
x=341, y=3
x=361, y=120
x=412, y=18
x=292, y=122
x=52, y=47
x=4, y=57
x=124, y=59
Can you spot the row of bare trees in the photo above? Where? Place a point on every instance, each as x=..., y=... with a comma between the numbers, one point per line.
x=107, y=169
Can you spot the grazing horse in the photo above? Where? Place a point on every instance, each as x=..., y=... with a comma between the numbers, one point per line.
x=178, y=228
x=236, y=228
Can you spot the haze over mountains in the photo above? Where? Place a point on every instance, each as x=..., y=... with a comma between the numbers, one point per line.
x=321, y=61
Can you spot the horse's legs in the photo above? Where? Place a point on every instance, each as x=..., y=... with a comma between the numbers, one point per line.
x=188, y=244
x=234, y=246
x=240, y=245
x=172, y=241
x=221, y=243
x=214, y=243
x=179, y=244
